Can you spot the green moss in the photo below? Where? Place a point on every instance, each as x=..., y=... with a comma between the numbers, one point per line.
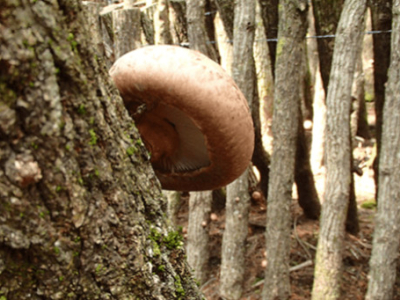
x=369, y=97
x=99, y=267
x=93, y=137
x=131, y=150
x=180, y=292
x=56, y=250
x=174, y=239
x=161, y=268
x=8, y=96
x=81, y=109
x=72, y=41
x=371, y=204
x=280, y=45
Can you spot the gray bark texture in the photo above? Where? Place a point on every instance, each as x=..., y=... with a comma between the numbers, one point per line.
x=197, y=34
x=80, y=207
x=179, y=21
x=385, y=250
x=291, y=35
x=200, y=202
x=338, y=149
x=234, y=239
x=162, y=24
x=327, y=14
x=226, y=11
x=126, y=30
x=238, y=198
x=269, y=15
x=197, y=244
x=381, y=15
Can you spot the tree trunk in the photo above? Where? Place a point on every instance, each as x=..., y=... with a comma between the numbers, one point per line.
x=238, y=199
x=81, y=216
x=127, y=30
x=197, y=244
x=197, y=33
x=265, y=80
x=226, y=9
x=381, y=14
x=304, y=178
x=161, y=23
x=198, y=236
x=326, y=14
x=234, y=238
x=179, y=21
x=291, y=35
x=338, y=150
x=269, y=14
x=385, y=250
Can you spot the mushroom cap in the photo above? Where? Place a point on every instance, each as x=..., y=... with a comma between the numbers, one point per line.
x=192, y=117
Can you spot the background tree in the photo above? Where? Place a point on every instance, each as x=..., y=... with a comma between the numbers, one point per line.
x=381, y=15
x=385, y=251
x=238, y=198
x=338, y=149
x=199, y=202
x=81, y=209
x=291, y=34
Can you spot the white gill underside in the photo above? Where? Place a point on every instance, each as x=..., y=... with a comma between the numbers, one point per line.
x=192, y=153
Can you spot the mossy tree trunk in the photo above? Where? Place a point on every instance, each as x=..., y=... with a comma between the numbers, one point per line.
x=338, y=146
x=291, y=35
x=383, y=266
x=81, y=210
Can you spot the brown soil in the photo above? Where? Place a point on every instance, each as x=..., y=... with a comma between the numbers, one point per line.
x=304, y=240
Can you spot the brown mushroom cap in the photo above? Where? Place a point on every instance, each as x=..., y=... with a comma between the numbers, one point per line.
x=191, y=115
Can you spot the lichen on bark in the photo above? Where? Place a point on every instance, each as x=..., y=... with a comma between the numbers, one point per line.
x=76, y=206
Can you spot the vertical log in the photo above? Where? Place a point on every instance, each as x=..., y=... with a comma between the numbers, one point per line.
x=338, y=149
x=197, y=242
x=238, y=198
x=127, y=30
x=387, y=230
x=291, y=35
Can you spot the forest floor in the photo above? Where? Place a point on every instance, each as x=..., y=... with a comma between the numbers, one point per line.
x=304, y=241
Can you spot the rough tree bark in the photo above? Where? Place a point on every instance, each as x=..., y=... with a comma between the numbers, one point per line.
x=291, y=35
x=200, y=202
x=385, y=250
x=197, y=238
x=326, y=14
x=265, y=80
x=269, y=14
x=179, y=21
x=161, y=23
x=261, y=158
x=338, y=150
x=226, y=11
x=238, y=198
x=197, y=33
x=80, y=208
x=381, y=15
